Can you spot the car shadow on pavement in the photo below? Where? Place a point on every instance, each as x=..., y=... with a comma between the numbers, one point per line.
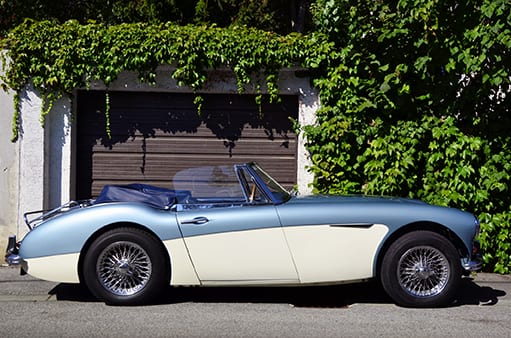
x=339, y=296
x=473, y=294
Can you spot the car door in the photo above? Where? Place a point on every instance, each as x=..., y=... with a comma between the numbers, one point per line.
x=241, y=244
x=330, y=241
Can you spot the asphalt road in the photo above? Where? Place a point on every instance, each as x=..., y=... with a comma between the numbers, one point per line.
x=34, y=308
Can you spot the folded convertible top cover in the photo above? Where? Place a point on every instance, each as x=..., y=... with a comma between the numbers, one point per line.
x=155, y=196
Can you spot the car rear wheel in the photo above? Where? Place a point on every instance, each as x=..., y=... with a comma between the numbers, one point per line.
x=421, y=269
x=126, y=266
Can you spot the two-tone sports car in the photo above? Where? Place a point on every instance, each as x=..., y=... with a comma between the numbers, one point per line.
x=236, y=226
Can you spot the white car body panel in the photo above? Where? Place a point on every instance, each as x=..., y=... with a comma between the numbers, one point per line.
x=58, y=268
x=327, y=253
x=243, y=257
x=182, y=270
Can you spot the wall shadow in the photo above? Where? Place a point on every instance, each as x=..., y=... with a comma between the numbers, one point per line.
x=142, y=116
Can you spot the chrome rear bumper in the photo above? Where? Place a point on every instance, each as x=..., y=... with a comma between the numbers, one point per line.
x=12, y=256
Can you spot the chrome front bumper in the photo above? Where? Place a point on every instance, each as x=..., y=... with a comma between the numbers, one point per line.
x=474, y=263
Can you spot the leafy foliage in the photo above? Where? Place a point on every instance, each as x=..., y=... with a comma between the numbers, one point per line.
x=416, y=103
x=276, y=15
x=58, y=58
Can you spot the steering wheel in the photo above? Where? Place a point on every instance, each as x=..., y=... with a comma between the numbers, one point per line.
x=252, y=193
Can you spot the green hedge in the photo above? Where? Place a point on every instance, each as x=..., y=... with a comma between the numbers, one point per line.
x=416, y=102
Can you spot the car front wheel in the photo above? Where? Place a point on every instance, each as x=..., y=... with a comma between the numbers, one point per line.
x=125, y=266
x=421, y=269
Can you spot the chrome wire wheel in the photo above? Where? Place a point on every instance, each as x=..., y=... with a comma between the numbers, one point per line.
x=423, y=271
x=124, y=268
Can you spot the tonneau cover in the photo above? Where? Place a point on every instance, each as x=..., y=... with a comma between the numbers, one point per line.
x=154, y=196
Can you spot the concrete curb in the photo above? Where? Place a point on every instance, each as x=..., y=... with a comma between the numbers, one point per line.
x=481, y=277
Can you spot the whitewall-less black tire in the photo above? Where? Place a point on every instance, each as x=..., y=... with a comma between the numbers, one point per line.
x=421, y=269
x=126, y=266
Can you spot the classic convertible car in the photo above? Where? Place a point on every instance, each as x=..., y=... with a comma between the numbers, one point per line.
x=236, y=226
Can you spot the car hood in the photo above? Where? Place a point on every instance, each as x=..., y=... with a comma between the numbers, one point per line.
x=358, y=199
x=391, y=211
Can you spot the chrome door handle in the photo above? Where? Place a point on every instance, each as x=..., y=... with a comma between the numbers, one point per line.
x=196, y=220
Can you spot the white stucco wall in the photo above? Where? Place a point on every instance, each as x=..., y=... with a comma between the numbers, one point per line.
x=38, y=166
x=37, y=172
x=59, y=185
x=8, y=172
x=31, y=157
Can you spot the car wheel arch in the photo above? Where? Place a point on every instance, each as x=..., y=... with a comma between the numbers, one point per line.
x=419, y=226
x=113, y=226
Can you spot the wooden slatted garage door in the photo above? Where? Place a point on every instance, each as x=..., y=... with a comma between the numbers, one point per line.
x=156, y=135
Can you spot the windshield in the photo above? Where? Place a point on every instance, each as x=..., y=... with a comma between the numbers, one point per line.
x=209, y=182
x=238, y=184
x=273, y=186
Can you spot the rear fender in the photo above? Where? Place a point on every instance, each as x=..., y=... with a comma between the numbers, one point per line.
x=69, y=232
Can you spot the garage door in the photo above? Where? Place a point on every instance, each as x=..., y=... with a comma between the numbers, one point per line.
x=156, y=135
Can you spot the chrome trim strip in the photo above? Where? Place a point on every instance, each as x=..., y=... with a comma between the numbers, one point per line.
x=352, y=225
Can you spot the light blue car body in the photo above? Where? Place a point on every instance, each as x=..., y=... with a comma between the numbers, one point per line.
x=69, y=232
x=238, y=226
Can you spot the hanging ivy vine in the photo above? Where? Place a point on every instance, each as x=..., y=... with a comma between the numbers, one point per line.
x=57, y=58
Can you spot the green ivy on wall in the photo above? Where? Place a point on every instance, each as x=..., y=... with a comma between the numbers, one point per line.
x=56, y=59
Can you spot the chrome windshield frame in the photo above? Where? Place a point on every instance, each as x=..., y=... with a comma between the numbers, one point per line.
x=256, y=171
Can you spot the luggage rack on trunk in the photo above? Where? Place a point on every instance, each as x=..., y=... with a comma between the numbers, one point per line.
x=48, y=213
